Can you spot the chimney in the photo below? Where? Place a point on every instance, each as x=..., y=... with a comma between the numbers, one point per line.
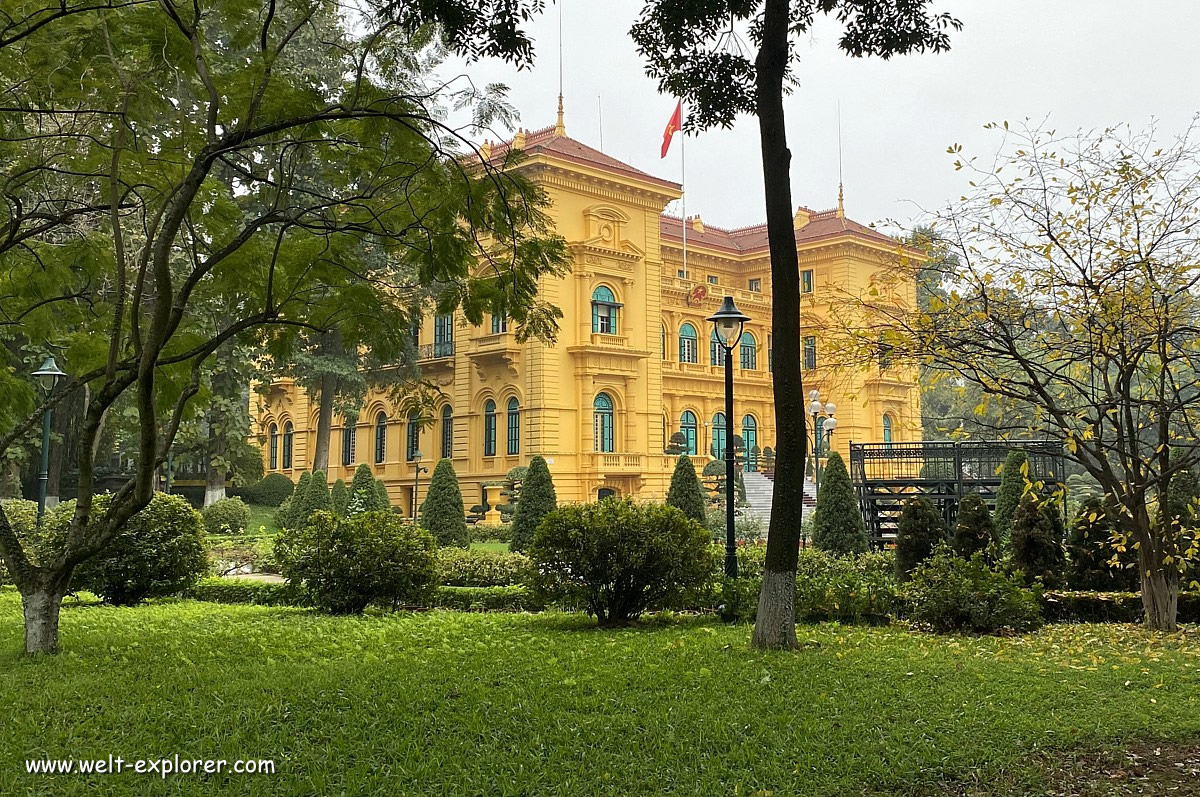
x=697, y=224
x=485, y=149
x=519, y=139
x=801, y=219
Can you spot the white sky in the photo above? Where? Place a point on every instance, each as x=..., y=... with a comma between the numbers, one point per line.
x=1081, y=63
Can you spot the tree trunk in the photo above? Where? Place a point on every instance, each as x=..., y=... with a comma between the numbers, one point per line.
x=320, y=458
x=42, y=601
x=1160, y=597
x=214, y=485
x=10, y=479
x=776, y=623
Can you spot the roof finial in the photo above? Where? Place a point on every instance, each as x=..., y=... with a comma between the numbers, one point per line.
x=841, y=208
x=559, y=128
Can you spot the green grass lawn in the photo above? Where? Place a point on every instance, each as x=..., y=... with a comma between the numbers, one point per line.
x=442, y=703
x=494, y=547
x=262, y=517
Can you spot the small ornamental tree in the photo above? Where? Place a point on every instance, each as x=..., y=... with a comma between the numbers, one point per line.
x=1037, y=542
x=1008, y=497
x=919, y=532
x=617, y=559
x=973, y=529
x=383, y=501
x=271, y=490
x=315, y=499
x=1090, y=553
x=442, y=512
x=362, y=491
x=537, y=500
x=837, y=523
x=339, y=497
x=685, y=493
x=226, y=516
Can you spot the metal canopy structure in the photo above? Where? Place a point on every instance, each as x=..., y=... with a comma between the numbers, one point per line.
x=885, y=475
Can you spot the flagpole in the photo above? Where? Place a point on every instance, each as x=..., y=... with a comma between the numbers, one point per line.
x=683, y=185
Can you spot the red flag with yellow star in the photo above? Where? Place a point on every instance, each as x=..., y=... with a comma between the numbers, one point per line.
x=673, y=127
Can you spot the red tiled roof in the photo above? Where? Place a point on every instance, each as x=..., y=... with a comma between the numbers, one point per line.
x=545, y=141
x=821, y=224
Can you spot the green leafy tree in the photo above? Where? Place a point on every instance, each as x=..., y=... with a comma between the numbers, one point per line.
x=339, y=497
x=919, y=532
x=442, y=512
x=685, y=493
x=1037, y=542
x=1013, y=479
x=973, y=528
x=1092, y=564
x=538, y=499
x=837, y=522
x=692, y=48
x=272, y=177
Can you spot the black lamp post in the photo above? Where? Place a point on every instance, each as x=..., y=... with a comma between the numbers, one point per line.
x=48, y=375
x=815, y=408
x=417, y=471
x=728, y=322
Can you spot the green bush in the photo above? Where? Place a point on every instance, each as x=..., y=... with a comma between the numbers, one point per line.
x=1110, y=607
x=315, y=499
x=685, y=493
x=271, y=490
x=160, y=550
x=227, y=516
x=538, y=499
x=837, y=522
x=1008, y=497
x=748, y=528
x=618, y=559
x=382, y=499
x=949, y=593
x=442, y=512
x=283, y=515
x=1037, y=542
x=1089, y=551
x=918, y=533
x=341, y=566
x=515, y=598
x=339, y=497
x=490, y=532
x=239, y=590
x=463, y=567
x=364, y=497
x=1182, y=494
x=22, y=519
x=973, y=528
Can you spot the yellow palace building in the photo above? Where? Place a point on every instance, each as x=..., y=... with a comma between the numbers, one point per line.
x=635, y=360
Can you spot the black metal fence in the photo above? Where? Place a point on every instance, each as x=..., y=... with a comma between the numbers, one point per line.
x=885, y=475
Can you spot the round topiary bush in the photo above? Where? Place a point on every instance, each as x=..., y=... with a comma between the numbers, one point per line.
x=919, y=532
x=271, y=490
x=342, y=566
x=227, y=516
x=159, y=552
x=837, y=522
x=617, y=559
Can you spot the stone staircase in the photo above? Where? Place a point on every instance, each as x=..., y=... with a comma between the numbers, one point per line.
x=759, y=489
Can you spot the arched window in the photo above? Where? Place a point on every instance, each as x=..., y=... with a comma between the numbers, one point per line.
x=749, y=352
x=687, y=425
x=819, y=448
x=604, y=311
x=716, y=351
x=688, y=347
x=514, y=427
x=380, y=438
x=447, y=432
x=718, y=436
x=602, y=423
x=348, y=439
x=663, y=343
x=750, y=439
x=289, y=432
x=489, y=428
x=887, y=429
x=273, y=432
x=413, y=442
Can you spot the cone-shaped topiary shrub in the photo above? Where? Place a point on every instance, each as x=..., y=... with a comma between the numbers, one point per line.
x=837, y=523
x=289, y=508
x=973, y=529
x=1089, y=552
x=442, y=512
x=383, y=501
x=537, y=500
x=685, y=493
x=363, y=497
x=1037, y=542
x=1008, y=497
x=919, y=532
x=339, y=496
x=315, y=499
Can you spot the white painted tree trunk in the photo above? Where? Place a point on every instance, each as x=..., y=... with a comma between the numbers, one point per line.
x=775, y=625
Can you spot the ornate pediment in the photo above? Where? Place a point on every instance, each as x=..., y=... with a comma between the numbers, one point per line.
x=605, y=228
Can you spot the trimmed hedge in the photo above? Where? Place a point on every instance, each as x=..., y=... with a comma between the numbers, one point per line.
x=486, y=532
x=461, y=567
x=271, y=490
x=238, y=590
x=515, y=598
x=1109, y=607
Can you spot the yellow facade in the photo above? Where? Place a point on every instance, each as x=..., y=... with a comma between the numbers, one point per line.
x=612, y=216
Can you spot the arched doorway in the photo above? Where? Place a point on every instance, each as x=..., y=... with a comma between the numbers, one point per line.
x=605, y=492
